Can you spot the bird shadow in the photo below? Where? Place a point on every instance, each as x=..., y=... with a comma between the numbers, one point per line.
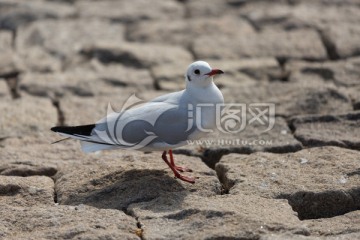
x=118, y=190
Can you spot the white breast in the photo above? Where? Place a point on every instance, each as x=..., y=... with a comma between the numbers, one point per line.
x=206, y=101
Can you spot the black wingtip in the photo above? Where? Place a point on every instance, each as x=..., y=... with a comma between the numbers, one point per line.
x=55, y=129
x=84, y=130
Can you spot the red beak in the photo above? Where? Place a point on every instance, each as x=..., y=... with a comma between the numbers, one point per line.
x=214, y=72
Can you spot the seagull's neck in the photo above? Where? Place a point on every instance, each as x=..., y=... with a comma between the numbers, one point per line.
x=209, y=93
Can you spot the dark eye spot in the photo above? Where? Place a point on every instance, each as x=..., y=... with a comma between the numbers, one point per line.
x=197, y=71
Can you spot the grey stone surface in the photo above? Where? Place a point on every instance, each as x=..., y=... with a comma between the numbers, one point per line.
x=130, y=177
x=344, y=38
x=6, y=38
x=258, y=69
x=17, y=13
x=310, y=99
x=25, y=169
x=93, y=79
x=38, y=156
x=300, y=14
x=208, y=8
x=29, y=191
x=100, y=106
x=324, y=130
x=37, y=59
x=65, y=222
x=136, y=54
x=169, y=76
x=22, y=116
x=136, y=11
x=185, y=32
x=9, y=64
x=318, y=182
x=298, y=44
x=4, y=91
x=343, y=73
x=218, y=217
x=64, y=38
x=354, y=93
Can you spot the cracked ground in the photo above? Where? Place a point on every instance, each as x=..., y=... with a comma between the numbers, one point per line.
x=62, y=62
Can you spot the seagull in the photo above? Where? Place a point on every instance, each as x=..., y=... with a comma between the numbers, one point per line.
x=162, y=124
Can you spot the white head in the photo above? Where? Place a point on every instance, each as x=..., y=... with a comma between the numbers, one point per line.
x=200, y=74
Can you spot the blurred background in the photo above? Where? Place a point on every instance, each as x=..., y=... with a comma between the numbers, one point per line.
x=61, y=62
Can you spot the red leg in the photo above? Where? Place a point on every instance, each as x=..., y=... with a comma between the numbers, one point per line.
x=177, y=174
x=179, y=168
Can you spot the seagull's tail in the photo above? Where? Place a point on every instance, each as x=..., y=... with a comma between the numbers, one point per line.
x=88, y=147
x=84, y=134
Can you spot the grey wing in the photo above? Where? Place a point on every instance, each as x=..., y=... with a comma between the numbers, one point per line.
x=155, y=122
x=171, y=98
x=171, y=127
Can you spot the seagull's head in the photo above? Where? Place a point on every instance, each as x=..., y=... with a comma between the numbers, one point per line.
x=200, y=74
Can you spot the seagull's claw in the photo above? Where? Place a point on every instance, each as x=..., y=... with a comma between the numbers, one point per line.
x=178, y=168
x=185, y=178
x=175, y=168
x=183, y=169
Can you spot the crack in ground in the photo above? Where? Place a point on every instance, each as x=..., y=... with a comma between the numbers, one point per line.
x=139, y=226
x=55, y=196
x=285, y=74
x=139, y=231
x=60, y=113
x=325, y=204
x=212, y=156
x=224, y=187
x=329, y=45
x=156, y=84
x=49, y=172
x=313, y=143
x=3, y=139
x=308, y=204
x=12, y=81
x=128, y=28
x=225, y=182
x=252, y=23
x=55, y=191
x=355, y=104
x=11, y=190
x=187, y=14
x=348, y=231
x=191, y=50
x=208, y=156
x=108, y=56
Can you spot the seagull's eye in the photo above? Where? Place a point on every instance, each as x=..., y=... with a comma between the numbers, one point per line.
x=197, y=71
